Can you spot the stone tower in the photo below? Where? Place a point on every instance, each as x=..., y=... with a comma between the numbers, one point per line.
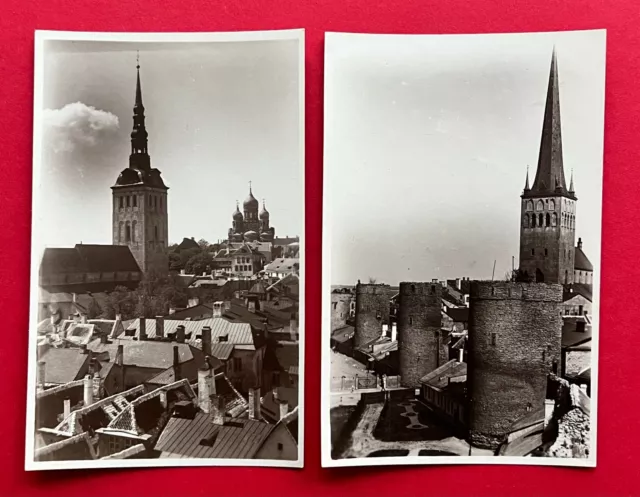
x=372, y=311
x=548, y=208
x=421, y=346
x=140, y=208
x=515, y=335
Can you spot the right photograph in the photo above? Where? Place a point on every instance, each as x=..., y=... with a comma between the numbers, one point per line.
x=461, y=248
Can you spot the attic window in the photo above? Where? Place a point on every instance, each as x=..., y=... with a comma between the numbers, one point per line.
x=280, y=446
x=223, y=338
x=130, y=333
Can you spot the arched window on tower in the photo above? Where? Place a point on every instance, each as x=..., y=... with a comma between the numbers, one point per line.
x=529, y=205
x=566, y=277
x=134, y=230
x=540, y=220
x=554, y=219
x=121, y=231
x=156, y=233
x=127, y=232
x=548, y=219
x=539, y=206
x=413, y=289
x=526, y=221
x=533, y=220
x=552, y=205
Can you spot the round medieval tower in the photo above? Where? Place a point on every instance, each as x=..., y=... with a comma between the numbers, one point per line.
x=372, y=311
x=419, y=331
x=515, y=333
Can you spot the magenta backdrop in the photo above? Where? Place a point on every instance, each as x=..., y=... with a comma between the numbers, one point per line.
x=618, y=440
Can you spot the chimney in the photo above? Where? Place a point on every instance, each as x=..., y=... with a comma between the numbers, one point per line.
x=217, y=409
x=88, y=390
x=217, y=309
x=120, y=356
x=580, y=243
x=205, y=380
x=194, y=301
x=182, y=272
x=160, y=326
x=41, y=374
x=74, y=298
x=251, y=305
x=254, y=403
x=97, y=386
x=458, y=284
x=67, y=408
x=227, y=305
x=206, y=340
x=52, y=319
x=83, y=318
x=103, y=338
x=549, y=406
x=284, y=408
x=172, y=310
x=461, y=354
x=394, y=332
x=176, y=362
x=118, y=317
x=163, y=399
x=143, y=328
x=180, y=334
x=275, y=393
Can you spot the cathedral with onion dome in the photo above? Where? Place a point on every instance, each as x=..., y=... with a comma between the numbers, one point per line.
x=252, y=224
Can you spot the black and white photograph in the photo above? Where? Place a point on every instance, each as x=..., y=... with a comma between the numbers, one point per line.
x=461, y=248
x=166, y=322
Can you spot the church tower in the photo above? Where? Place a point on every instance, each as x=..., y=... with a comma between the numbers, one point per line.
x=548, y=207
x=140, y=208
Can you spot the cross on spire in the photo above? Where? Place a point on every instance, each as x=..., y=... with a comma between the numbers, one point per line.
x=250, y=186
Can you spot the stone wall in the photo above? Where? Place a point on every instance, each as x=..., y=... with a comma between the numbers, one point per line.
x=421, y=341
x=515, y=332
x=372, y=311
x=340, y=303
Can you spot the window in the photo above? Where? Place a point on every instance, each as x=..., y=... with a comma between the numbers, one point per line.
x=493, y=338
x=546, y=252
x=121, y=202
x=525, y=222
x=127, y=232
x=413, y=289
x=530, y=205
x=134, y=230
x=160, y=204
x=135, y=201
x=539, y=206
x=548, y=219
x=280, y=446
x=533, y=251
x=554, y=219
x=529, y=407
x=335, y=305
x=410, y=320
x=250, y=269
x=150, y=201
x=552, y=205
x=533, y=220
x=237, y=363
x=540, y=220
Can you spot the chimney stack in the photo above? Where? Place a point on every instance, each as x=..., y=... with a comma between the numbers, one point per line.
x=227, y=305
x=143, y=328
x=182, y=272
x=103, y=338
x=120, y=355
x=160, y=326
x=172, y=310
x=251, y=305
x=118, y=317
x=580, y=243
x=180, y=334
x=41, y=374
x=88, y=390
x=394, y=332
x=254, y=403
x=284, y=408
x=67, y=408
x=217, y=309
x=74, y=298
x=83, y=318
x=206, y=340
x=176, y=362
x=205, y=380
x=217, y=409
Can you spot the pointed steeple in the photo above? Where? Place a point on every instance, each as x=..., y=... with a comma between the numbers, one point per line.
x=526, y=183
x=571, y=189
x=550, y=178
x=139, y=158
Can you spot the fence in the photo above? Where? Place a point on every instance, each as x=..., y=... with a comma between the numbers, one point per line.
x=366, y=382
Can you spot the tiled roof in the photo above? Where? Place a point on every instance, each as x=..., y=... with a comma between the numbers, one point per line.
x=343, y=334
x=68, y=449
x=285, y=265
x=199, y=311
x=581, y=261
x=286, y=240
x=147, y=354
x=88, y=259
x=222, y=351
x=237, y=333
x=258, y=319
x=458, y=314
x=439, y=378
x=291, y=281
x=64, y=365
x=574, y=289
x=237, y=439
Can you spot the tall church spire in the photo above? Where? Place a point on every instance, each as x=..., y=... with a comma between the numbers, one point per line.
x=526, y=183
x=550, y=178
x=571, y=189
x=139, y=158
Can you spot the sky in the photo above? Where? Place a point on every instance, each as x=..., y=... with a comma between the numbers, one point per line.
x=219, y=114
x=427, y=143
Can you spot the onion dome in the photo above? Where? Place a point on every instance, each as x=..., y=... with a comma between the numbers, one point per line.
x=250, y=203
x=264, y=213
x=237, y=215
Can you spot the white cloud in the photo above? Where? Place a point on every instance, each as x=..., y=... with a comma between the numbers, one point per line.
x=77, y=125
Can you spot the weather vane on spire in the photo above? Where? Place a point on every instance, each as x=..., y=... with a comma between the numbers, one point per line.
x=249, y=185
x=138, y=59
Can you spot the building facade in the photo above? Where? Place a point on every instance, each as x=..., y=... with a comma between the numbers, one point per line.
x=140, y=210
x=372, y=311
x=548, y=207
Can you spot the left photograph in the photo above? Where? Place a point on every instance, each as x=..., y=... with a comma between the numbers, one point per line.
x=166, y=322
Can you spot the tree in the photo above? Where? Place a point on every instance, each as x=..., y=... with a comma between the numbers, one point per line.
x=199, y=263
x=203, y=244
x=94, y=310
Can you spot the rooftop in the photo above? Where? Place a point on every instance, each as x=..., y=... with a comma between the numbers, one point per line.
x=88, y=259
x=64, y=365
x=452, y=371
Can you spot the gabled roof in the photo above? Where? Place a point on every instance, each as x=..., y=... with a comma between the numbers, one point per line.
x=581, y=261
x=88, y=259
x=574, y=289
x=236, y=333
x=187, y=243
x=439, y=378
x=148, y=354
x=64, y=365
x=236, y=439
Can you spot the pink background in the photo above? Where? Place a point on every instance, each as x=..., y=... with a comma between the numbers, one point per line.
x=618, y=440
